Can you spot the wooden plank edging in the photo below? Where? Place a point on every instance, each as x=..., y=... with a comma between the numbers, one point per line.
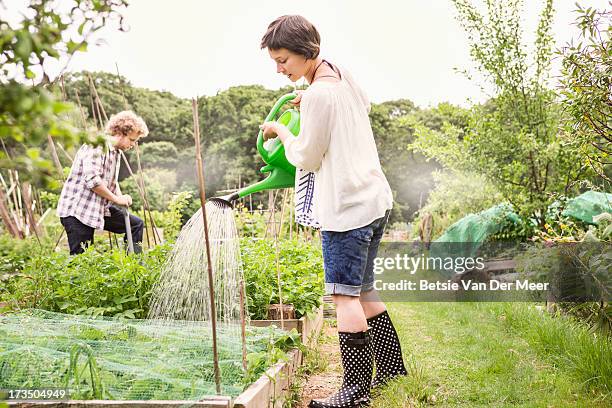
x=270, y=390
x=207, y=402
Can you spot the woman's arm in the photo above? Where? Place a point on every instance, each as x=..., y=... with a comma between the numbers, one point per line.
x=308, y=149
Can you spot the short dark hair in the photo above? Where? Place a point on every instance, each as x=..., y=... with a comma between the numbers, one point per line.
x=295, y=34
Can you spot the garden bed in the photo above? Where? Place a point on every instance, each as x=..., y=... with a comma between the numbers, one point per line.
x=307, y=326
x=269, y=390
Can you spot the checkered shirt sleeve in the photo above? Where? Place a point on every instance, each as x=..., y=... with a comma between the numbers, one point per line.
x=91, y=167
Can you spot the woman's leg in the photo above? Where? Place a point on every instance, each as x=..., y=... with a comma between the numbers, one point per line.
x=371, y=304
x=344, y=259
x=349, y=314
x=385, y=341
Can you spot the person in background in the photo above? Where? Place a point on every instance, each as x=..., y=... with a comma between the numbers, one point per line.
x=351, y=202
x=91, y=198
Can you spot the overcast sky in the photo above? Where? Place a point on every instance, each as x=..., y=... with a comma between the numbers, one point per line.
x=394, y=48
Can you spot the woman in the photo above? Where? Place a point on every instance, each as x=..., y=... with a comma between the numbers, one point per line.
x=352, y=201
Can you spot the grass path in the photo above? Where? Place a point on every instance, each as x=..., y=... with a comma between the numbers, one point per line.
x=465, y=355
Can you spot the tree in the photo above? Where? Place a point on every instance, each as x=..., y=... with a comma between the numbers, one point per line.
x=513, y=140
x=586, y=84
x=30, y=112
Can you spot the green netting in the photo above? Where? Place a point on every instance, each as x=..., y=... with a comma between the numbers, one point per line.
x=588, y=205
x=476, y=228
x=103, y=358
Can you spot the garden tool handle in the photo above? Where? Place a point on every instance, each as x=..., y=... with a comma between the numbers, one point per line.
x=128, y=228
x=271, y=116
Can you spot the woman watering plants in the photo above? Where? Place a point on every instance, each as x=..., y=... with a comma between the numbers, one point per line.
x=352, y=201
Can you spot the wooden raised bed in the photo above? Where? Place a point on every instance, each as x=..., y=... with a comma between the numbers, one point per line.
x=270, y=390
x=304, y=325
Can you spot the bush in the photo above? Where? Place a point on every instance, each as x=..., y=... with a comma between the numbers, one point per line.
x=180, y=209
x=301, y=271
x=159, y=184
x=15, y=253
x=455, y=196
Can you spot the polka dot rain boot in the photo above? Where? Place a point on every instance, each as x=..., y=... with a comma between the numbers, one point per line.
x=387, y=349
x=356, y=353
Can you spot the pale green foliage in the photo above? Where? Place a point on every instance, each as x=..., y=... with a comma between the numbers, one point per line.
x=512, y=140
x=28, y=113
x=455, y=196
x=585, y=88
x=159, y=183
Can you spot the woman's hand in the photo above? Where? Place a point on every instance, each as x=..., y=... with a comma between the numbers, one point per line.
x=296, y=101
x=270, y=130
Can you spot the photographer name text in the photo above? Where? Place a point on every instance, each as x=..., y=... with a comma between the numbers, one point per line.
x=492, y=285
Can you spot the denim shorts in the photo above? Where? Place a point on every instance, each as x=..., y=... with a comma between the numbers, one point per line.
x=348, y=258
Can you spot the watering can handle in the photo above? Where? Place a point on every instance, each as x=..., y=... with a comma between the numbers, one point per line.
x=271, y=116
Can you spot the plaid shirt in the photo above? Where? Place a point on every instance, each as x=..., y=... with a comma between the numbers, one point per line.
x=91, y=167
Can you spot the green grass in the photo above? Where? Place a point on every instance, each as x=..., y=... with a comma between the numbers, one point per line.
x=496, y=355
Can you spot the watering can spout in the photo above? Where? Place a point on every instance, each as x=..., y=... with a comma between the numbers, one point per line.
x=226, y=200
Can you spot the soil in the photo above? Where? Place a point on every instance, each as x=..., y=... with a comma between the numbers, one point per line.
x=322, y=385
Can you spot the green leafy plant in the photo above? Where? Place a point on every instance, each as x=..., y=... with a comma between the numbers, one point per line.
x=585, y=88
x=301, y=274
x=94, y=283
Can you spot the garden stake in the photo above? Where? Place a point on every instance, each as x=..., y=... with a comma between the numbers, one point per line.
x=282, y=217
x=125, y=102
x=243, y=326
x=95, y=109
x=27, y=204
x=66, y=153
x=76, y=94
x=211, y=288
x=56, y=161
x=144, y=191
x=98, y=101
x=278, y=277
x=143, y=197
x=4, y=213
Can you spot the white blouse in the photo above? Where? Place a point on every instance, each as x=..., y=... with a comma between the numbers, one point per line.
x=336, y=142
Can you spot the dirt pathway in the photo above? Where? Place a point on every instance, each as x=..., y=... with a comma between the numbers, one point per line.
x=321, y=385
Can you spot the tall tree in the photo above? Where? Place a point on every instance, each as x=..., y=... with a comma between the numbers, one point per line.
x=513, y=140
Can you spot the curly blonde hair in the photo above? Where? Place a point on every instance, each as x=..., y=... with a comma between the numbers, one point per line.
x=126, y=122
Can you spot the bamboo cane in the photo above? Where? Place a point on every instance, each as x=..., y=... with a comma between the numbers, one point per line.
x=93, y=106
x=56, y=161
x=6, y=218
x=27, y=204
x=143, y=197
x=125, y=102
x=18, y=214
x=66, y=153
x=243, y=325
x=98, y=100
x=282, y=216
x=213, y=309
x=142, y=183
x=83, y=118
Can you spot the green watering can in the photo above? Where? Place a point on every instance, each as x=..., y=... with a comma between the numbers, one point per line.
x=282, y=173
